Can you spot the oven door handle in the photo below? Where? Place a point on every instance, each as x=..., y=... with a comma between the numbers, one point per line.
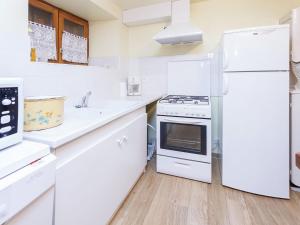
x=189, y=123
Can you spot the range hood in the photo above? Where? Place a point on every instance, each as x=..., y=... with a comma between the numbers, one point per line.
x=181, y=31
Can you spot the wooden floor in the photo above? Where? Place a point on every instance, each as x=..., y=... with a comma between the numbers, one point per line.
x=159, y=199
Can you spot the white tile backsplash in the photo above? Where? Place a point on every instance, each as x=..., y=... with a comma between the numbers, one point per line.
x=69, y=80
x=154, y=73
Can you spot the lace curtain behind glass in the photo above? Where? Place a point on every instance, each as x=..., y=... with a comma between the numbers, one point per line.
x=74, y=48
x=43, y=39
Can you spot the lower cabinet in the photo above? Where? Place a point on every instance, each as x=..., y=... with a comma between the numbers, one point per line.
x=39, y=212
x=91, y=185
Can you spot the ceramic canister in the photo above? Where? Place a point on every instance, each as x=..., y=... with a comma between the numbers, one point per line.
x=43, y=112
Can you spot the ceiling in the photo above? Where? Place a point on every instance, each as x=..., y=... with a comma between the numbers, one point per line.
x=85, y=9
x=129, y=4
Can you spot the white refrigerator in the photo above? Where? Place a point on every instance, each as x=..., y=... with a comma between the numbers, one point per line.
x=255, y=130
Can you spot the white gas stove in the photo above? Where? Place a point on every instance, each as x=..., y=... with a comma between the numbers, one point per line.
x=184, y=136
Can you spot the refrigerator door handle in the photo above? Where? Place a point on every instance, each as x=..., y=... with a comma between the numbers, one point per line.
x=225, y=60
x=225, y=84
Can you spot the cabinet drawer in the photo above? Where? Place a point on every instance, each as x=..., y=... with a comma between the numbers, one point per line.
x=184, y=168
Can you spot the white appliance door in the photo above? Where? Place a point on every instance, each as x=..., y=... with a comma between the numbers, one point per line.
x=184, y=138
x=256, y=133
x=257, y=50
x=189, y=77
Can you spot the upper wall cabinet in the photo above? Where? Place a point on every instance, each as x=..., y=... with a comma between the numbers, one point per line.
x=56, y=35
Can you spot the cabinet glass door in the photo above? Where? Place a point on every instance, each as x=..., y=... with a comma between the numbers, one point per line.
x=73, y=28
x=73, y=37
x=42, y=28
x=40, y=16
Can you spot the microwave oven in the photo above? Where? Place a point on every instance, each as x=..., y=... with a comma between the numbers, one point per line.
x=11, y=111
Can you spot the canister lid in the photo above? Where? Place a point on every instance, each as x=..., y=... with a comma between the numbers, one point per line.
x=42, y=98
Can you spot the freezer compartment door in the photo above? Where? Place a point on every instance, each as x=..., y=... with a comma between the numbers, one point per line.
x=257, y=50
x=256, y=133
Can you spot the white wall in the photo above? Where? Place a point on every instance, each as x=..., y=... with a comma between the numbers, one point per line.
x=213, y=17
x=109, y=45
x=43, y=78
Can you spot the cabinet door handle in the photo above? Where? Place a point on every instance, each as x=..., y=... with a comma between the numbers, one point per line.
x=125, y=138
x=120, y=142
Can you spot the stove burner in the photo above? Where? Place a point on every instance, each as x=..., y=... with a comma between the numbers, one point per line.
x=183, y=99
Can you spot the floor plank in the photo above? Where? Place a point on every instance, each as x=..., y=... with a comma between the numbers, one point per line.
x=160, y=199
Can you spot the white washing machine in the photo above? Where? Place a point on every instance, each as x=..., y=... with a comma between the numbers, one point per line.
x=27, y=178
x=295, y=136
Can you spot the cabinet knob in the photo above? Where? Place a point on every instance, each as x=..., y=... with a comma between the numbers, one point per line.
x=125, y=138
x=120, y=142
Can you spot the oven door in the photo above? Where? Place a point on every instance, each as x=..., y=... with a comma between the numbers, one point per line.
x=185, y=138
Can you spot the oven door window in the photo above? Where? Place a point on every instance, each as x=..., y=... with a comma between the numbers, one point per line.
x=183, y=137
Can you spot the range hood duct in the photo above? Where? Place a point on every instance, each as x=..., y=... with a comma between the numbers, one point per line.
x=181, y=31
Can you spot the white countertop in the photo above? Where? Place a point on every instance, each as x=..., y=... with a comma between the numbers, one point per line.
x=78, y=122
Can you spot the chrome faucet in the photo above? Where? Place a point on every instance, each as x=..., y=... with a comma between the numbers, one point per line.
x=84, y=101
